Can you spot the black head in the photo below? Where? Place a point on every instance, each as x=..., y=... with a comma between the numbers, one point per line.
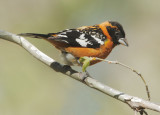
x=117, y=33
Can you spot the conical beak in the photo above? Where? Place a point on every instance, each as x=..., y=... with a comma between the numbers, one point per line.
x=123, y=41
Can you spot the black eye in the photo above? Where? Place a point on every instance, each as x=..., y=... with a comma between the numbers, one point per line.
x=116, y=33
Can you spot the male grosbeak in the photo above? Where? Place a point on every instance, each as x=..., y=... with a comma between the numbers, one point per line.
x=91, y=41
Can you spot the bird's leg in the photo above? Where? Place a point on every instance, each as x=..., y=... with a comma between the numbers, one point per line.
x=87, y=75
x=86, y=72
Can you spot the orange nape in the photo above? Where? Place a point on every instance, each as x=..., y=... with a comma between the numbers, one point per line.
x=104, y=29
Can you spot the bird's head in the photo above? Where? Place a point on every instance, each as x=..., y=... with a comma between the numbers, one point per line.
x=115, y=32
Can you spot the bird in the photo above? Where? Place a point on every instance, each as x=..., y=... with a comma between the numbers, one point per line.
x=91, y=41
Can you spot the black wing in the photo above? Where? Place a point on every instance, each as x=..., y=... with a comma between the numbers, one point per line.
x=77, y=38
x=73, y=37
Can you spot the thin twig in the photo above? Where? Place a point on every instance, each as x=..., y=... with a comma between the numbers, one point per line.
x=119, y=63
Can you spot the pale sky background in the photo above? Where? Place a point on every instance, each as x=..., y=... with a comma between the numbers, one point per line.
x=29, y=87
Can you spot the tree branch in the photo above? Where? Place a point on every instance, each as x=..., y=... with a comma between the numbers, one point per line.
x=135, y=103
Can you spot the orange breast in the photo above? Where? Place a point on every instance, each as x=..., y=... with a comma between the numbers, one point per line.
x=101, y=52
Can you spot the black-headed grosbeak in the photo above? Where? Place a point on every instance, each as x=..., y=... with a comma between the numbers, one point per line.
x=91, y=41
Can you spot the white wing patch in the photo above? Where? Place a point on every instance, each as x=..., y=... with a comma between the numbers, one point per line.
x=83, y=41
x=60, y=35
x=98, y=40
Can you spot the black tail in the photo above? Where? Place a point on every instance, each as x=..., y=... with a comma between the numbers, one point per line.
x=34, y=35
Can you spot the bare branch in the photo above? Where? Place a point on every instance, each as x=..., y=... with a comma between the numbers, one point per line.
x=135, y=103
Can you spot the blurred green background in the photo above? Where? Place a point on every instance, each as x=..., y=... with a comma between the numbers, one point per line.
x=28, y=87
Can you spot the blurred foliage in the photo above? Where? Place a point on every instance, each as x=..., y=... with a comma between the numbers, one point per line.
x=28, y=87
